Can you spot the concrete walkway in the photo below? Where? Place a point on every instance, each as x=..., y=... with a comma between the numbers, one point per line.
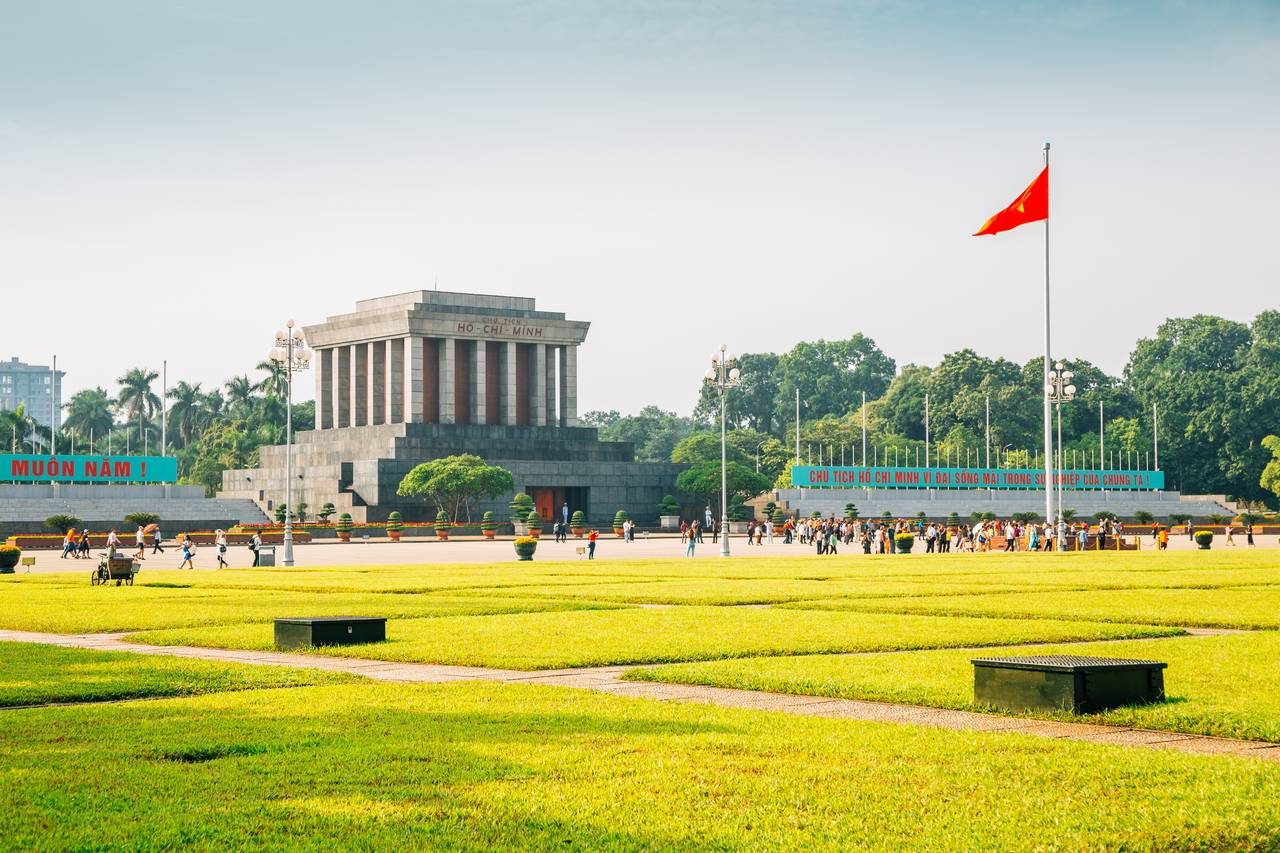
x=607, y=679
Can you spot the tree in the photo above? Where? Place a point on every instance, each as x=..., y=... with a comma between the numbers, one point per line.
x=136, y=400
x=187, y=412
x=61, y=522
x=455, y=483
x=141, y=518
x=325, y=511
x=703, y=480
x=653, y=432
x=89, y=415
x=752, y=403
x=741, y=445
x=239, y=398
x=1270, y=479
x=275, y=385
x=831, y=376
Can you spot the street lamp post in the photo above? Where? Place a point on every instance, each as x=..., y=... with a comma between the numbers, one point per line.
x=290, y=353
x=1058, y=390
x=722, y=376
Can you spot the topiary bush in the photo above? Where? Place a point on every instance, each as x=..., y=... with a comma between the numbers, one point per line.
x=535, y=522
x=61, y=522
x=667, y=506
x=779, y=518
x=487, y=522
x=521, y=505
x=618, y=518
x=395, y=522
x=344, y=523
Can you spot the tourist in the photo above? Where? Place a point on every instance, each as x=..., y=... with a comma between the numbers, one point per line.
x=1033, y=537
x=1162, y=540
x=255, y=543
x=1248, y=534
x=592, y=536
x=69, y=543
x=707, y=517
x=188, y=553
x=700, y=528
x=693, y=539
x=1103, y=526
x=564, y=514
x=1082, y=538
x=684, y=531
x=113, y=543
x=220, y=545
x=156, y=541
x=1230, y=538
x=1010, y=536
x=141, y=539
x=83, y=549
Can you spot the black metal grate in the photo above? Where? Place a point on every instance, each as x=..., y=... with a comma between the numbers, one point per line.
x=1066, y=662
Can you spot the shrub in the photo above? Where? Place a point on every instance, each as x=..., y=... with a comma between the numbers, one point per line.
x=141, y=519
x=667, y=506
x=779, y=517
x=9, y=556
x=886, y=515
x=301, y=512
x=326, y=511
x=578, y=519
x=1143, y=517
x=61, y=522
x=815, y=515
x=953, y=519
x=1179, y=518
x=487, y=522
x=851, y=512
x=395, y=522
x=280, y=510
x=619, y=517
x=1217, y=518
x=520, y=506
x=344, y=523
x=534, y=521
x=741, y=512
x=442, y=520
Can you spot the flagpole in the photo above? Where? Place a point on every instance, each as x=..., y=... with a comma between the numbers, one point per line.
x=1048, y=420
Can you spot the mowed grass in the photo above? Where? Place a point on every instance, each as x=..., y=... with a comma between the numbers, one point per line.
x=524, y=767
x=1232, y=607
x=35, y=674
x=553, y=640
x=1226, y=685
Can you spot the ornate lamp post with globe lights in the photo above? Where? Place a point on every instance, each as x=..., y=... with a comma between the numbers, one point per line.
x=1060, y=390
x=291, y=353
x=722, y=376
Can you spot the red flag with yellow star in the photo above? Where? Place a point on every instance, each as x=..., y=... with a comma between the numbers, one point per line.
x=1031, y=206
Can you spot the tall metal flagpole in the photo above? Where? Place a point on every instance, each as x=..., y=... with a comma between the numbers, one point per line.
x=1155, y=433
x=926, y=430
x=797, y=426
x=864, y=429
x=988, y=460
x=53, y=408
x=164, y=406
x=1048, y=421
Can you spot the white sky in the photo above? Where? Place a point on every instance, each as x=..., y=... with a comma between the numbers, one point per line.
x=176, y=180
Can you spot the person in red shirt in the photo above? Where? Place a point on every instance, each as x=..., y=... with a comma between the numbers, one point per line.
x=591, y=543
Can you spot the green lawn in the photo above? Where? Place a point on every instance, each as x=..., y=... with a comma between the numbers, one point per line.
x=502, y=766
x=1234, y=607
x=1228, y=685
x=32, y=674
x=602, y=637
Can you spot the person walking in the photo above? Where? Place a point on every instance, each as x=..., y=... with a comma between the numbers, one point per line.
x=1230, y=538
x=83, y=543
x=1248, y=534
x=1162, y=538
x=694, y=532
x=591, y=543
x=140, y=539
x=69, y=542
x=220, y=545
x=255, y=543
x=157, y=541
x=188, y=553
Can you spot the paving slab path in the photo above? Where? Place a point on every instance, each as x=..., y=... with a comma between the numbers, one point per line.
x=607, y=679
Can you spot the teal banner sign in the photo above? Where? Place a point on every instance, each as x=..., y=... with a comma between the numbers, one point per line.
x=64, y=468
x=842, y=477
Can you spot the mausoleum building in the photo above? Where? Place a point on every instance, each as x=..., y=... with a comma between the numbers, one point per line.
x=426, y=374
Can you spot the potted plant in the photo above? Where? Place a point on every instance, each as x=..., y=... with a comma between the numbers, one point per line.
x=578, y=523
x=521, y=505
x=488, y=526
x=395, y=524
x=953, y=519
x=778, y=518
x=850, y=512
x=904, y=541
x=1204, y=538
x=442, y=525
x=344, y=527
x=326, y=512
x=619, y=518
x=525, y=546
x=668, y=513
x=534, y=524
x=9, y=556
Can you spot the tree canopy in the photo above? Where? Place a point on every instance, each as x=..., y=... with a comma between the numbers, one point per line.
x=454, y=483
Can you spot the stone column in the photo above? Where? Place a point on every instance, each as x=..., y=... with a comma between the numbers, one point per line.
x=359, y=384
x=538, y=385
x=389, y=389
x=342, y=389
x=413, y=380
x=447, y=352
x=324, y=389
x=377, y=382
x=549, y=387
x=569, y=386
x=509, y=383
x=478, y=387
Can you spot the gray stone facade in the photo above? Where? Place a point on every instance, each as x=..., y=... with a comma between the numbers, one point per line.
x=422, y=375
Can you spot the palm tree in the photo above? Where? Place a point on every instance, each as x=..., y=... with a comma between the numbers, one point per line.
x=187, y=409
x=137, y=401
x=239, y=394
x=276, y=383
x=90, y=415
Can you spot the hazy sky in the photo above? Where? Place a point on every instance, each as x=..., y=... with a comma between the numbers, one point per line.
x=179, y=178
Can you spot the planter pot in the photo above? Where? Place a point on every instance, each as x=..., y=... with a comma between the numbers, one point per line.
x=578, y=532
x=525, y=552
x=535, y=532
x=442, y=535
x=904, y=547
x=6, y=570
x=344, y=535
x=521, y=529
x=617, y=531
x=394, y=534
x=1204, y=547
x=489, y=534
x=737, y=527
x=669, y=522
